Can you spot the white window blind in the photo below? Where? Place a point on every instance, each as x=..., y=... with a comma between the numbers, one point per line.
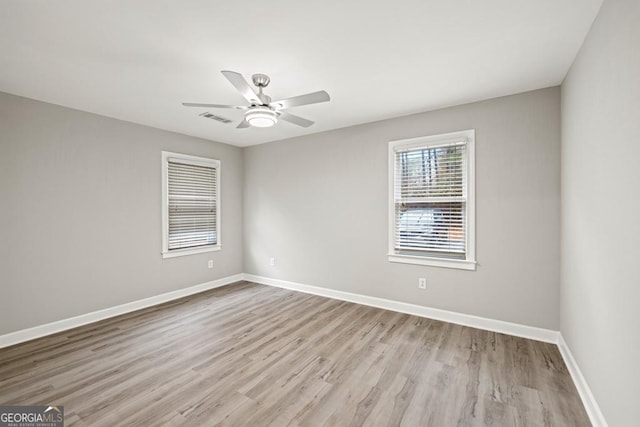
x=430, y=201
x=191, y=203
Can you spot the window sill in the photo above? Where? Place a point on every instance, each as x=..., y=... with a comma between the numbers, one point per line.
x=460, y=264
x=190, y=251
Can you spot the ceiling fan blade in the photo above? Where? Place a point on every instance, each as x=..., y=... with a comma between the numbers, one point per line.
x=197, y=104
x=309, y=98
x=243, y=124
x=242, y=86
x=296, y=120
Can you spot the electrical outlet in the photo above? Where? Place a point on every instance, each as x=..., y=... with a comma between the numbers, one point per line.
x=272, y=261
x=210, y=263
x=422, y=283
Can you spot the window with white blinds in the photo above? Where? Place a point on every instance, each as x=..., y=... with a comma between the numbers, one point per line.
x=431, y=201
x=191, y=220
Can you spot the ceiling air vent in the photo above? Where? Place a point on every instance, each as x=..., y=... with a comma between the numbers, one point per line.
x=214, y=117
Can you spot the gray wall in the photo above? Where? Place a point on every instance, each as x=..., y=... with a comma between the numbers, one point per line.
x=318, y=204
x=80, y=219
x=600, y=285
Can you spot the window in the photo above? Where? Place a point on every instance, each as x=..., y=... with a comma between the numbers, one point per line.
x=190, y=204
x=431, y=203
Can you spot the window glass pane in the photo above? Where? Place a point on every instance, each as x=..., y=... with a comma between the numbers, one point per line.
x=430, y=227
x=430, y=172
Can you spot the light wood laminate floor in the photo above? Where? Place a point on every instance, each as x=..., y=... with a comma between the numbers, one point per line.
x=253, y=355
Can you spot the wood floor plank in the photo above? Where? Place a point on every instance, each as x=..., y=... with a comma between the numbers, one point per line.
x=253, y=355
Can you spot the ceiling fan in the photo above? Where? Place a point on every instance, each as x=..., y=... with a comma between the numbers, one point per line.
x=262, y=111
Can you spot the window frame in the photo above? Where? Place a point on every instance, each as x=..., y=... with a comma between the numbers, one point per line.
x=467, y=136
x=197, y=161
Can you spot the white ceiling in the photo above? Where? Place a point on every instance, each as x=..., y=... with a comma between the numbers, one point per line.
x=138, y=60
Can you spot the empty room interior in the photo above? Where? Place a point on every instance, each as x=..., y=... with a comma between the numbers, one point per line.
x=413, y=213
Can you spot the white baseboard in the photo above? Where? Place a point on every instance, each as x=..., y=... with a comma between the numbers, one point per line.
x=531, y=332
x=589, y=402
x=73, y=322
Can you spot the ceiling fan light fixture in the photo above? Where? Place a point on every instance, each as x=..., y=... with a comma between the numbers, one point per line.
x=261, y=117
